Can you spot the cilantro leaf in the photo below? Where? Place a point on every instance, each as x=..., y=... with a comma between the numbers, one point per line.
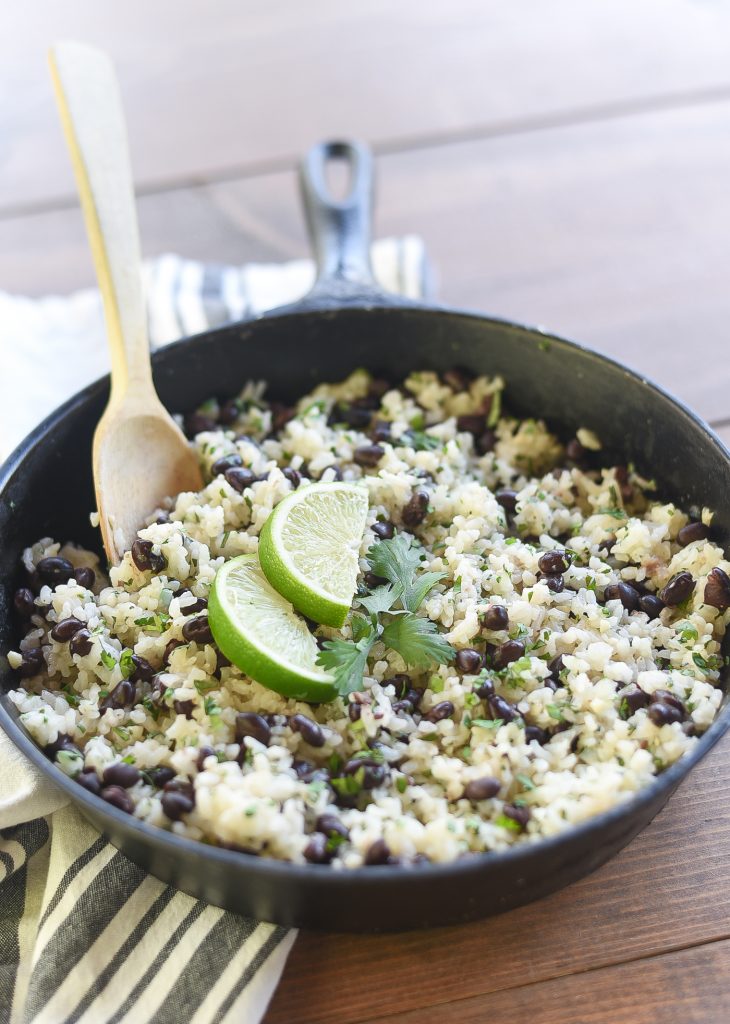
x=382, y=599
x=397, y=560
x=417, y=641
x=419, y=441
x=416, y=593
x=347, y=661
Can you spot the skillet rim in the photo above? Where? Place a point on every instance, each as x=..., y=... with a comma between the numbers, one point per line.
x=472, y=864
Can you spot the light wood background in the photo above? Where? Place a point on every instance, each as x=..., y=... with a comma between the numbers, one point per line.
x=568, y=164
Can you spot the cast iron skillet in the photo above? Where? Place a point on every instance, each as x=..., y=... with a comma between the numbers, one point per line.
x=347, y=322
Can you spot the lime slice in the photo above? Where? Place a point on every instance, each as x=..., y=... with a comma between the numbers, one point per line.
x=309, y=548
x=259, y=631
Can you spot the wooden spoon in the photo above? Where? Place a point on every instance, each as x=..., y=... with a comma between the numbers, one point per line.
x=140, y=454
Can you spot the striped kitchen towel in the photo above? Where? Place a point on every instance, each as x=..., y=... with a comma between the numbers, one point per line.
x=85, y=935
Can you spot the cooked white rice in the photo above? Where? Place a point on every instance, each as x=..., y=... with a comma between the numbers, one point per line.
x=594, y=750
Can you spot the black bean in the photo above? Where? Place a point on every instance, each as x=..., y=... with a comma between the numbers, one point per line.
x=85, y=576
x=717, y=589
x=413, y=696
x=121, y=774
x=181, y=785
x=371, y=580
x=118, y=797
x=303, y=769
x=635, y=698
x=24, y=602
x=198, y=605
x=203, y=754
x=64, y=630
x=403, y=707
x=142, y=671
x=664, y=714
x=248, y=723
x=198, y=629
x=122, y=696
x=416, y=508
x=486, y=442
x=468, y=660
x=316, y=851
x=368, y=455
x=400, y=683
x=378, y=853
x=351, y=415
x=555, y=584
x=501, y=708
x=651, y=605
x=89, y=780
x=555, y=667
x=552, y=563
x=667, y=697
x=381, y=431
x=32, y=663
x=221, y=466
x=623, y=592
x=495, y=617
x=354, y=711
x=175, y=804
x=310, y=732
x=384, y=531
x=293, y=476
x=373, y=773
x=679, y=588
x=471, y=424
x=170, y=646
x=198, y=423
x=534, y=732
x=486, y=690
x=482, y=789
x=506, y=653
x=519, y=814
x=159, y=777
x=184, y=707
x=441, y=711
x=144, y=557
x=61, y=742
x=54, y=570
x=692, y=532
x=240, y=478
x=334, y=471
x=507, y=498
x=575, y=450
x=230, y=411
x=330, y=825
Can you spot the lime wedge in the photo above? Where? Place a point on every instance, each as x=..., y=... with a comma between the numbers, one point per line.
x=309, y=548
x=259, y=631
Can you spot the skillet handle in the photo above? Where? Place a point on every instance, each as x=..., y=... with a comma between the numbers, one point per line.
x=339, y=229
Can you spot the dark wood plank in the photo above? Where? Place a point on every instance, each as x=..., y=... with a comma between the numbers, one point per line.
x=210, y=91
x=686, y=987
x=668, y=889
x=613, y=233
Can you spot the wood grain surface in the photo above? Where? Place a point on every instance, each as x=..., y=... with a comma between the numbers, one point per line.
x=567, y=165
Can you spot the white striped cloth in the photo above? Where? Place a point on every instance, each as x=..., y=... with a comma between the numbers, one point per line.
x=85, y=935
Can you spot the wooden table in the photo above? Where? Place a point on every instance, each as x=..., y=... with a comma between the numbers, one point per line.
x=567, y=164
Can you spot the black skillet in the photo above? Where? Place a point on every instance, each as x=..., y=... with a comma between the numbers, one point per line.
x=347, y=322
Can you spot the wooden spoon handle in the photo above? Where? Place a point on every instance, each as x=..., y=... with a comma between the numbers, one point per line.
x=93, y=121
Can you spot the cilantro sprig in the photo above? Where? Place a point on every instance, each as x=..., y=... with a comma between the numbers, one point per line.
x=414, y=637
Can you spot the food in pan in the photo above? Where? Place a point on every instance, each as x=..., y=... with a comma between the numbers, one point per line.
x=534, y=634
